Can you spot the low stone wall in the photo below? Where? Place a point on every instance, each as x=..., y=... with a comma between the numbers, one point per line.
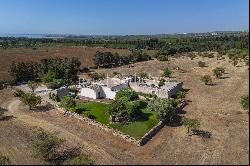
x=115, y=132
x=148, y=136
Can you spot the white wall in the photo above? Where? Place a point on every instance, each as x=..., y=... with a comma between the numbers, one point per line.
x=109, y=94
x=88, y=92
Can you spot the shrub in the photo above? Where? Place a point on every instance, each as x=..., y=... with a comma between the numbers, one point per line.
x=95, y=76
x=161, y=82
x=46, y=146
x=206, y=79
x=18, y=93
x=80, y=160
x=166, y=72
x=54, y=97
x=191, y=55
x=180, y=95
x=49, y=77
x=245, y=102
x=73, y=89
x=235, y=62
x=4, y=160
x=57, y=83
x=143, y=75
x=32, y=85
x=116, y=73
x=210, y=55
x=79, y=110
x=88, y=115
x=201, y=64
x=162, y=57
x=147, y=95
x=68, y=103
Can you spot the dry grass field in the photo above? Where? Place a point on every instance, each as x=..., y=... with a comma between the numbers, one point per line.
x=217, y=107
x=85, y=54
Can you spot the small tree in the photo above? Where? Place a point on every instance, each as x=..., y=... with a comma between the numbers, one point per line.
x=31, y=99
x=167, y=72
x=201, y=64
x=245, y=102
x=68, y=103
x=190, y=124
x=206, y=79
x=32, y=85
x=218, y=72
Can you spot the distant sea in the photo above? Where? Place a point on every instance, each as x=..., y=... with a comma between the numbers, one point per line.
x=37, y=36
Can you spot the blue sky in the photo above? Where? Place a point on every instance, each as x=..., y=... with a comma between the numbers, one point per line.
x=121, y=17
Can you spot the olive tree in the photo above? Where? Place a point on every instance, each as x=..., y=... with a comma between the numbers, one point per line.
x=190, y=124
x=31, y=100
x=206, y=79
x=218, y=72
x=165, y=108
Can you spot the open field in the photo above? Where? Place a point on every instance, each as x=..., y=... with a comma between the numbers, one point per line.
x=217, y=107
x=85, y=54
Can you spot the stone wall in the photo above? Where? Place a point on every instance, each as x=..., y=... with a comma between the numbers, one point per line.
x=148, y=136
x=144, y=89
x=92, y=122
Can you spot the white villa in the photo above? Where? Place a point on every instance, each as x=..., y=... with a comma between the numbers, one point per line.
x=108, y=87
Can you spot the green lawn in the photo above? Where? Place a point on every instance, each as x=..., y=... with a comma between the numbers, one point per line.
x=98, y=110
x=138, y=128
x=135, y=129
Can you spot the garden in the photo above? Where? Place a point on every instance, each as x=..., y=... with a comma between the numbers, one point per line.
x=127, y=113
x=99, y=112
